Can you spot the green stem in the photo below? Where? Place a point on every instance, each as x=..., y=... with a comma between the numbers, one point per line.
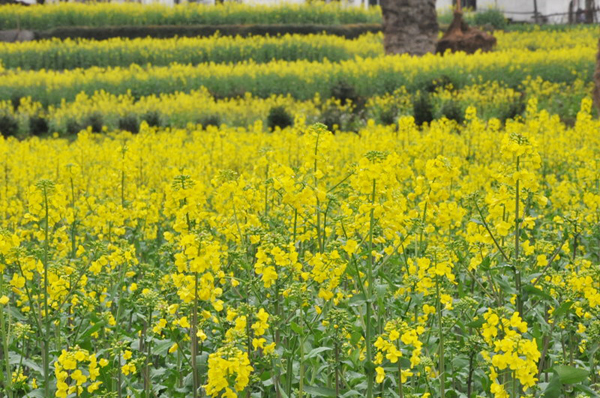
x=517, y=233
x=400, y=386
x=46, y=337
x=194, y=338
x=147, y=380
x=441, y=347
x=369, y=291
x=4, y=333
x=301, y=381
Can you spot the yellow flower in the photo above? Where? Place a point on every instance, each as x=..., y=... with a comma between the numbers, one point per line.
x=380, y=374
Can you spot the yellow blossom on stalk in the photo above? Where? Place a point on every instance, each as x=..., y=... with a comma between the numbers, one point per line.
x=69, y=368
x=248, y=242
x=380, y=374
x=510, y=350
x=228, y=372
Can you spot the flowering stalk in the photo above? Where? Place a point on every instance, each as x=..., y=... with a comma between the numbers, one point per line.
x=45, y=186
x=369, y=292
x=441, y=341
x=194, y=338
x=4, y=333
x=517, y=232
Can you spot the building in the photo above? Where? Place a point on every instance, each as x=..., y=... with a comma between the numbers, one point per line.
x=552, y=11
x=549, y=11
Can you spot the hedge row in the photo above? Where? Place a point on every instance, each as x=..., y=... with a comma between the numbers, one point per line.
x=349, y=31
x=110, y=14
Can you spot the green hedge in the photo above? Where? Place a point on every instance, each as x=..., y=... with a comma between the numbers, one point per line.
x=134, y=14
x=349, y=31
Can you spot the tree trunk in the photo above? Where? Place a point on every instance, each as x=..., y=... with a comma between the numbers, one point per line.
x=536, y=18
x=589, y=11
x=409, y=26
x=597, y=79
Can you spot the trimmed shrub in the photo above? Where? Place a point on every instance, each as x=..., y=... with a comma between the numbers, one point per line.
x=516, y=108
x=331, y=117
x=389, y=115
x=38, y=126
x=440, y=82
x=279, y=117
x=95, y=121
x=210, y=120
x=9, y=125
x=452, y=111
x=153, y=119
x=422, y=108
x=129, y=123
x=74, y=127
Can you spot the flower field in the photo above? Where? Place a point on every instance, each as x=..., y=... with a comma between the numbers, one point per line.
x=73, y=54
x=105, y=14
x=295, y=216
x=302, y=79
x=395, y=262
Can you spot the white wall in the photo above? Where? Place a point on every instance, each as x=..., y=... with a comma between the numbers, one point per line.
x=520, y=10
x=558, y=7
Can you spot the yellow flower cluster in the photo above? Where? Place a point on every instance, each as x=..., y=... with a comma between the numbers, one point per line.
x=389, y=347
x=67, y=367
x=228, y=372
x=511, y=351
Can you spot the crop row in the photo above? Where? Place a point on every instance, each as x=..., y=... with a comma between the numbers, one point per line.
x=107, y=112
x=71, y=54
x=303, y=79
x=106, y=14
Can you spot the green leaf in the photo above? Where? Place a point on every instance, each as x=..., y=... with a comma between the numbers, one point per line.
x=554, y=388
x=162, y=347
x=562, y=309
x=587, y=390
x=352, y=393
x=369, y=368
x=316, y=352
x=485, y=264
x=296, y=328
x=357, y=299
x=92, y=329
x=570, y=374
x=381, y=290
x=537, y=292
x=477, y=323
x=39, y=393
x=320, y=391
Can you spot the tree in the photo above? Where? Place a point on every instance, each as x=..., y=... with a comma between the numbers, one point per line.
x=461, y=37
x=409, y=26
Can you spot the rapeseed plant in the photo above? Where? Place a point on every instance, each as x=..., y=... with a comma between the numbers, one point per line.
x=399, y=261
